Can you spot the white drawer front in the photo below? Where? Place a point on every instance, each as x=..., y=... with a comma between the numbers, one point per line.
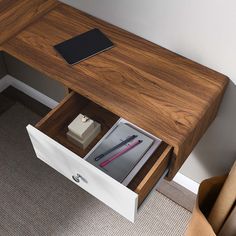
x=94, y=181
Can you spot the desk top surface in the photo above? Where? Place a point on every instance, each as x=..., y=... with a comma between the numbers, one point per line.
x=158, y=90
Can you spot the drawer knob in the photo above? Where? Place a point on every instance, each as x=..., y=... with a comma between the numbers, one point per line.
x=76, y=177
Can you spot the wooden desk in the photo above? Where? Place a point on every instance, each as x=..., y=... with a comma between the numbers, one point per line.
x=164, y=93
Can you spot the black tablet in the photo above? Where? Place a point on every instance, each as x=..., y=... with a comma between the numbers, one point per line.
x=83, y=46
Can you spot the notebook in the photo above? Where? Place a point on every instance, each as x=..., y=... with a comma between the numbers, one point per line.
x=83, y=46
x=123, y=165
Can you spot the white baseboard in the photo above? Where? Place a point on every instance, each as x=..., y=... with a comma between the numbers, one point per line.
x=186, y=182
x=47, y=101
x=4, y=83
x=8, y=80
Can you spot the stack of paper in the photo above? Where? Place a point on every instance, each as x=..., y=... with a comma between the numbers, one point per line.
x=120, y=168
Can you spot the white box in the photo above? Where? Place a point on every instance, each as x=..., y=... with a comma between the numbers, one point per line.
x=81, y=126
x=83, y=143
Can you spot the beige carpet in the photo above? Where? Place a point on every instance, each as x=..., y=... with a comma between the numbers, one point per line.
x=36, y=200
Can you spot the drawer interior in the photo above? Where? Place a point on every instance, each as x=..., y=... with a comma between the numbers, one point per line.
x=55, y=126
x=57, y=120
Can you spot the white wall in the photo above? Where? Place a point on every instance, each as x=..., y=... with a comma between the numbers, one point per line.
x=33, y=78
x=203, y=31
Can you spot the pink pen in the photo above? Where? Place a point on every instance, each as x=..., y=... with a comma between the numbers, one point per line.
x=129, y=147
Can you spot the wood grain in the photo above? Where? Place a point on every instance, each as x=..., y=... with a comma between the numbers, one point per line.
x=55, y=124
x=164, y=93
x=17, y=14
x=151, y=172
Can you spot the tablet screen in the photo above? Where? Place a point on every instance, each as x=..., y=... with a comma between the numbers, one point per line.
x=83, y=46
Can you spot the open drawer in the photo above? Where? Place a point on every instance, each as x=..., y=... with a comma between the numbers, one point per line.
x=52, y=146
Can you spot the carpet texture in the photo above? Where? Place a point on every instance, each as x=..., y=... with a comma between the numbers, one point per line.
x=36, y=200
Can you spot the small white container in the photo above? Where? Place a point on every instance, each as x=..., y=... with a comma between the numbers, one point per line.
x=83, y=130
